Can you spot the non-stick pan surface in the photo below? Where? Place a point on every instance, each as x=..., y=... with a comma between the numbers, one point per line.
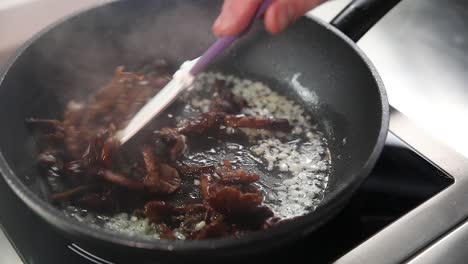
x=71, y=58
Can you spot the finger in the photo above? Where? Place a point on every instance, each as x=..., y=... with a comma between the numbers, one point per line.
x=235, y=17
x=282, y=13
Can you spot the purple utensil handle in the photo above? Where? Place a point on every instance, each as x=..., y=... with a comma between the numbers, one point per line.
x=223, y=43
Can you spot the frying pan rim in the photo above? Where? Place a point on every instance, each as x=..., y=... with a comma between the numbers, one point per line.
x=58, y=219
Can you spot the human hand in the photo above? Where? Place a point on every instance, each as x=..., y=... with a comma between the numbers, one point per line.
x=237, y=14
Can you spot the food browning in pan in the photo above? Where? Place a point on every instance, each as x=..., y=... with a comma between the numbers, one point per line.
x=197, y=174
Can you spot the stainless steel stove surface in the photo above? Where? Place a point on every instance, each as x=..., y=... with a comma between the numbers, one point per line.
x=412, y=208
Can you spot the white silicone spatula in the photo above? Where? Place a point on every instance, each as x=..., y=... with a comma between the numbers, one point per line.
x=182, y=79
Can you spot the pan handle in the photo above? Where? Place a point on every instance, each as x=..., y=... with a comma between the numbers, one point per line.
x=361, y=15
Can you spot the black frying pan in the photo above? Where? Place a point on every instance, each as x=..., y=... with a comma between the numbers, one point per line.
x=72, y=56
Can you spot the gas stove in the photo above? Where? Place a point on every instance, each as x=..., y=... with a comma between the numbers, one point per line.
x=413, y=206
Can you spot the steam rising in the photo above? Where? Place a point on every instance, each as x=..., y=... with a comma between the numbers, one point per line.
x=80, y=55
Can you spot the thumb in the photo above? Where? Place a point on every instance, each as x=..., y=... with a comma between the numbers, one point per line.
x=235, y=17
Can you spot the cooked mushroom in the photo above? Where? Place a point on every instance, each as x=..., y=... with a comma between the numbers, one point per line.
x=101, y=176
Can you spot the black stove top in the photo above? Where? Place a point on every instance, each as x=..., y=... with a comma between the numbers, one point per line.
x=401, y=181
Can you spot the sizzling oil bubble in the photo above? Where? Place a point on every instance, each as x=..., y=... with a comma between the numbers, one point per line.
x=294, y=168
